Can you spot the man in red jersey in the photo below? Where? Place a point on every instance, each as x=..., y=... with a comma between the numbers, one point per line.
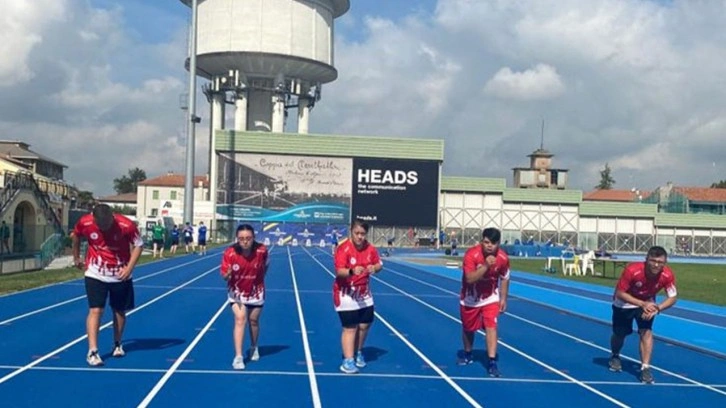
x=244, y=266
x=482, y=300
x=355, y=261
x=114, y=246
x=634, y=299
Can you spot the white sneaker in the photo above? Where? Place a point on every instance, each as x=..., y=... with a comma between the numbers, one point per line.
x=93, y=359
x=238, y=363
x=254, y=354
x=118, y=351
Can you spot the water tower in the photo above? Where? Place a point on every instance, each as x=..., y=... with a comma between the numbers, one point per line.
x=265, y=56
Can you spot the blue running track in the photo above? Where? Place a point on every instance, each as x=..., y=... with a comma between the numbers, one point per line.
x=553, y=346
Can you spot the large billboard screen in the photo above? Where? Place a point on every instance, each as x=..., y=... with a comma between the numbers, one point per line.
x=268, y=187
x=395, y=192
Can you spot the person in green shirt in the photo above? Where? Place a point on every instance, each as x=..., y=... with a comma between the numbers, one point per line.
x=158, y=233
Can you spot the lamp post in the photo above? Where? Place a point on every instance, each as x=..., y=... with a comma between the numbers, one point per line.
x=193, y=120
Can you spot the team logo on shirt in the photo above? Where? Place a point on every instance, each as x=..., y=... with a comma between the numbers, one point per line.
x=638, y=284
x=235, y=267
x=353, y=261
x=94, y=236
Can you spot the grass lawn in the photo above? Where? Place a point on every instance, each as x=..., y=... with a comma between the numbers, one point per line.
x=699, y=282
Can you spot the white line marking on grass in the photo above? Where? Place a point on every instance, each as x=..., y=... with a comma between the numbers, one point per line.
x=579, y=340
x=80, y=339
x=306, y=345
x=440, y=372
x=155, y=390
x=53, y=306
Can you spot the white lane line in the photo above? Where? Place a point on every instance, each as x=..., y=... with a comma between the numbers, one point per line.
x=418, y=352
x=53, y=306
x=80, y=339
x=368, y=375
x=155, y=390
x=577, y=339
x=306, y=345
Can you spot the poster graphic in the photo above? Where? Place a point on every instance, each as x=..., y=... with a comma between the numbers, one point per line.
x=268, y=187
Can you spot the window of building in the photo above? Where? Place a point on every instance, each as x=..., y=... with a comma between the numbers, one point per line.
x=155, y=194
x=173, y=195
x=154, y=212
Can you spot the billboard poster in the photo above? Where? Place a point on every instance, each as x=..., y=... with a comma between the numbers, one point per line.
x=395, y=192
x=297, y=234
x=282, y=188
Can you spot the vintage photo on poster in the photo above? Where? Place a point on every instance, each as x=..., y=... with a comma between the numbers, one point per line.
x=268, y=187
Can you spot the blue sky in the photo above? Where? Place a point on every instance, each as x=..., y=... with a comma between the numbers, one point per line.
x=637, y=84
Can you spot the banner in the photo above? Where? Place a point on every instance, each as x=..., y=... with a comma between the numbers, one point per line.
x=268, y=187
x=395, y=192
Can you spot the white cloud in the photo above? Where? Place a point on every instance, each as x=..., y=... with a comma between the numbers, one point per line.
x=541, y=82
x=21, y=25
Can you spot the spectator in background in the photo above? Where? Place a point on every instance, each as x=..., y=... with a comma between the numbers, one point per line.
x=202, y=238
x=5, y=236
x=158, y=234
x=188, y=235
x=174, y=234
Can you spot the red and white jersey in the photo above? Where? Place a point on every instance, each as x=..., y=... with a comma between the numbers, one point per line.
x=486, y=290
x=108, y=251
x=634, y=282
x=246, y=285
x=353, y=292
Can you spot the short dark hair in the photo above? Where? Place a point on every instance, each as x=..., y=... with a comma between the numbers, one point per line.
x=102, y=212
x=492, y=234
x=360, y=223
x=657, y=252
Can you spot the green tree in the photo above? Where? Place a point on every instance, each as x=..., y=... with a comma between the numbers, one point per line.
x=84, y=199
x=720, y=184
x=127, y=183
x=606, y=179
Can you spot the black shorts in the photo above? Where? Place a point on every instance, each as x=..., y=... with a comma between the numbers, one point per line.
x=352, y=318
x=158, y=242
x=175, y=241
x=187, y=240
x=202, y=242
x=623, y=320
x=121, y=294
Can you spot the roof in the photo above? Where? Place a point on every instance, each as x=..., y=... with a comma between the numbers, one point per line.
x=329, y=145
x=614, y=195
x=20, y=150
x=120, y=198
x=703, y=194
x=173, y=180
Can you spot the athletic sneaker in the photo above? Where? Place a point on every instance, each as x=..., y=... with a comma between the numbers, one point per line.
x=464, y=358
x=254, y=354
x=646, y=377
x=348, y=366
x=238, y=363
x=615, y=365
x=93, y=359
x=492, y=369
x=118, y=351
x=360, y=361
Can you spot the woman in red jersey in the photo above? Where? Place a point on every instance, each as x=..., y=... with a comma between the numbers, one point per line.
x=355, y=261
x=244, y=266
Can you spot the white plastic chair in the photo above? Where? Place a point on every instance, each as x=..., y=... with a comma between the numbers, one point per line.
x=588, y=262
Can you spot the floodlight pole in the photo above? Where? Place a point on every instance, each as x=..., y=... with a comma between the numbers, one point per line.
x=193, y=120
